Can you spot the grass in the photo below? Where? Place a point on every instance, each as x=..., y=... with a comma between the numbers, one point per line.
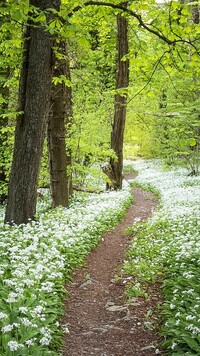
x=128, y=168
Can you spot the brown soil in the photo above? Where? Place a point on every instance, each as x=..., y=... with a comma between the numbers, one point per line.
x=99, y=319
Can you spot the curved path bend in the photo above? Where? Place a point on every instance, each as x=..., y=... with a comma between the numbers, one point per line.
x=101, y=322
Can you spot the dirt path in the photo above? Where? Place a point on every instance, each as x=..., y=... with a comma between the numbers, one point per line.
x=100, y=321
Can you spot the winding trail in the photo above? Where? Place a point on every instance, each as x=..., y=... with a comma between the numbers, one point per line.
x=100, y=320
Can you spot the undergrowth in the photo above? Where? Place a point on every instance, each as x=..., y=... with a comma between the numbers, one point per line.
x=167, y=248
x=35, y=262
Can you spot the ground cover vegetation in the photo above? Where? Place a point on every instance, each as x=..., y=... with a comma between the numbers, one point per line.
x=36, y=261
x=166, y=248
x=82, y=44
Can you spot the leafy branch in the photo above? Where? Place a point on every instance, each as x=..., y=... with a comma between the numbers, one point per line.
x=128, y=11
x=151, y=76
x=142, y=24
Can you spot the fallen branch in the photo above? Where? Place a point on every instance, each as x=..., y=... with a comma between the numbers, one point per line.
x=87, y=190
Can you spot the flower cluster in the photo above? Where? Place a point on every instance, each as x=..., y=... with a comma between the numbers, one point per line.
x=168, y=246
x=36, y=260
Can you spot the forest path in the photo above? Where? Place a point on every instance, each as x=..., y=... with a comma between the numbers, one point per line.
x=100, y=320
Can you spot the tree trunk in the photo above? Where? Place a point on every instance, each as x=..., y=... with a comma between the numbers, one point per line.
x=122, y=81
x=34, y=95
x=61, y=112
x=194, y=10
x=195, y=13
x=195, y=171
x=3, y=134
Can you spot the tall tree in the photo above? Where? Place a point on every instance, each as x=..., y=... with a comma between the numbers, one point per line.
x=122, y=81
x=33, y=107
x=59, y=120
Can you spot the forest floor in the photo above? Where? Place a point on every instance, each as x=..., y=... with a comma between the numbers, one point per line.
x=99, y=319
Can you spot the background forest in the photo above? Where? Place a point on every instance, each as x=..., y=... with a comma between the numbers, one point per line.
x=160, y=97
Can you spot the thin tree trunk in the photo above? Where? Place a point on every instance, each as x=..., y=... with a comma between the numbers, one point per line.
x=59, y=160
x=196, y=20
x=122, y=81
x=34, y=95
x=3, y=133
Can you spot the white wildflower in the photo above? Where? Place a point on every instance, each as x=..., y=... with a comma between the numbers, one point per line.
x=23, y=310
x=26, y=322
x=45, y=341
x=65, y=329
x=47, y=286
x=173, y=345
x=195, y=330
x=45, y=330
x=7, y=328
x=30, y=342
x=12, y=297
x=3, y=315
x=29, y=282
x=190, y=317
x=37, y=310
x=14, y=345
x=9, y=282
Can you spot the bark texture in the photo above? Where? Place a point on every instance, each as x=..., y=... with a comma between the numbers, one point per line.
x=61, y=112
x=3, y=135
x=122, y=81
x=3, y=139
x=194, y=9
x=34, y=95
x=195, y=12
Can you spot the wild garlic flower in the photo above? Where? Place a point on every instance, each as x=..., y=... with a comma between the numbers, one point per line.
x=23, y=310
x=3, y=316
x=7, y=328
x=30, y=342
x=173, y=345
x=45, y=341
x=14, y=345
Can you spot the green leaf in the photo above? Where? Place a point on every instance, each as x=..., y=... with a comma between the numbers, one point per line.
x=192, y=343
x=192, y=142
x=62, y=79
x=40, y=18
